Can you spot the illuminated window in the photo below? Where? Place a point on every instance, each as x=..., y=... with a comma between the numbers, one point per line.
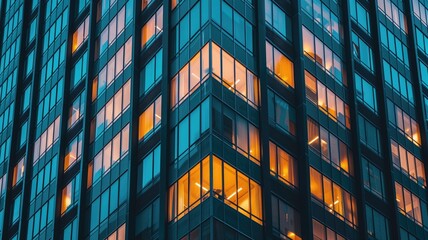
x=111, y=112
x=190, y=77
x=112, y=153
x=327, y=100
x=279, y=65
x=73, y=151
x=18, y=172
x=330, y=62
x=70, y=194
x=152, y=28
x=410, y=165
x=282, y=165
x=395, y=14
x=80, y=35
x=331, y=148
x=46, y=140
x=112, y=70
x=118, y=234
x=150, y=119
x=285, y=220
x=322, y=232
x=410, y=205
x=190, y=190
x=404, y=123
x=335, y=199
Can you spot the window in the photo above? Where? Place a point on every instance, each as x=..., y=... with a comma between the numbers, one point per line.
x=362, y=52
x=76, y=110
x=16, y=209
x=103, y=6
x=30, y=63
x=70, y=194
x=331, y=148
x=49, y=101
x=281, y=114
x=152, y=28
x=234, y=25
x=398, y=82
x=285, y=220
x=421, y=11
x=329, y=61
x=334, y=198
x=190, y=77
x=404, y=123
x=73, y=151
x=377, y=224
x=150, y=119
x=190, y=190
x=111, y=112
x=277, y=19
x=149, y=169
x=79, y=70
x=145, y=3
x=118, y=234
x=71, y=230
x=404, y=235
x=373, y=178
x=112, y=70
x=360, y=15
x=113, y=30
x=148, y=221
x=394, y=14
x=44, y=177
x=327, y=101
x=234, y=76
x=279, y=65
x=236, y=131
x=3, y=181
x=369, y=135
x=107, y=203
x=46, y=140
x=409, y=165
x=394, y=45
x=113, y=152
x=26, y=99
x=80, y=35
x=282, y=165
x=366, y=92
x=151, y=73
x=18, y=172
x=324, y=17
x=23, y=136
x=423, y=69
x=410, y=205
x=322, y=232
x=41, y=219
x=190, y=129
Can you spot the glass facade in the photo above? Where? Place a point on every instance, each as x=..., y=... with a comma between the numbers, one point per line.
x=213, y=119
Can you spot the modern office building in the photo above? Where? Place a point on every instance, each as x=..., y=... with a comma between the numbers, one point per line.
x=214, y=119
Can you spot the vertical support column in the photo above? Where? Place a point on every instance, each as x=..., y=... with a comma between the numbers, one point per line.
x=264, y=121
x=301, y=123
x=165, y=153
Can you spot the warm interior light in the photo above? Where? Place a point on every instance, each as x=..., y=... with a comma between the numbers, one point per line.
x=203, y=188
x=234, y=193
x=313, y=140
